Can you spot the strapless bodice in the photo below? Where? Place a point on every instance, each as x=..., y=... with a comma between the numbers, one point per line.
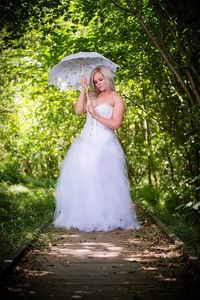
x=94, y=128
x=104, y=109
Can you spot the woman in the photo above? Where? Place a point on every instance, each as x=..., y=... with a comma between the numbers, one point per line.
x=92, y=192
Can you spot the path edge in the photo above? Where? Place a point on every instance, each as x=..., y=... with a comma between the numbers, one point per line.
x=11, y=261
x=188, y=254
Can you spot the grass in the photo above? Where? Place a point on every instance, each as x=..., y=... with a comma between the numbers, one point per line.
x=184, y=226
x=24, y=209
x=182, y=222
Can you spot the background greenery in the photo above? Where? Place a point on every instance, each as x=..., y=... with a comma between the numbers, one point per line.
x=156, y=45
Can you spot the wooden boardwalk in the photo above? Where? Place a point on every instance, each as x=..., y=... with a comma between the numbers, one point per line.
x=118, y=265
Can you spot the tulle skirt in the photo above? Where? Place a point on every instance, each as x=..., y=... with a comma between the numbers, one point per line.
x=92, y=191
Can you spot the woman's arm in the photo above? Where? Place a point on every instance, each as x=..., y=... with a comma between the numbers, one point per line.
x=117, y=116
x=80, y=105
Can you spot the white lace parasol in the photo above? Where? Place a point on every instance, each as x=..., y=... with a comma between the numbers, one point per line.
x=67, y=73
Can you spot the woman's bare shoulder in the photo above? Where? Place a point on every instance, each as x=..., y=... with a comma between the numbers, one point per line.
x=118, y=99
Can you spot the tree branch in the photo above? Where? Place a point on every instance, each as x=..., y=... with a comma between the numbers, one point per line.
x=162, y=52
x=120, y=7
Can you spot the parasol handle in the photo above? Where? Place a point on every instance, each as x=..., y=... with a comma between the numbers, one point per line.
x=87, y=95
x=88, y=98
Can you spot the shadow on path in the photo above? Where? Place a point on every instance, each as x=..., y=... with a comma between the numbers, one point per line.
x=119, y=265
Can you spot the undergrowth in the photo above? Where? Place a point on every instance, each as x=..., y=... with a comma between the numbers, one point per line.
x=25, y=208
x=182, y=219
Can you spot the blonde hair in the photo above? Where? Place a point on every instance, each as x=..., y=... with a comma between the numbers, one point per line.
x=107, y=74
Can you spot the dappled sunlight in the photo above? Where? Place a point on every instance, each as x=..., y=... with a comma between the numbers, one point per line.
x=17, y=188
x=157, y=254
x=150, y=268
x=134, y=241
x=81, y=245
x=80, y=250
x=38, y=272
x=168, y=279
x=85, y=264
x=90, y=263
x=89, y=245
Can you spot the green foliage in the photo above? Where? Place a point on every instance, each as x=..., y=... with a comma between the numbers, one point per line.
x=170, y=204
x=159, y=134
x=146, y=194
x=24, y=209
x=11, y=171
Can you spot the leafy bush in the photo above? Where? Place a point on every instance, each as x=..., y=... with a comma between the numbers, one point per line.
x=146, y=194
x=11, y=171
x=23, y=211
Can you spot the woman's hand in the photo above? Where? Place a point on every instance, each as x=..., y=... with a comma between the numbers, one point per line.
x=80, y=105
x=91, y=109
x=84, y=82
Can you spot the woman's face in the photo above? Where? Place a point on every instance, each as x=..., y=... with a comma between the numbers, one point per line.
x=99, y=81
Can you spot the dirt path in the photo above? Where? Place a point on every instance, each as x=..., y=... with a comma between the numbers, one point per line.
x=104, y=265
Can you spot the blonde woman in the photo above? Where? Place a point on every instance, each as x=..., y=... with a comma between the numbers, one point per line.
x=92, y=192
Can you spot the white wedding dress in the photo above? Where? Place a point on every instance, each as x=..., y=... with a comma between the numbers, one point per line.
x=92, y=192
